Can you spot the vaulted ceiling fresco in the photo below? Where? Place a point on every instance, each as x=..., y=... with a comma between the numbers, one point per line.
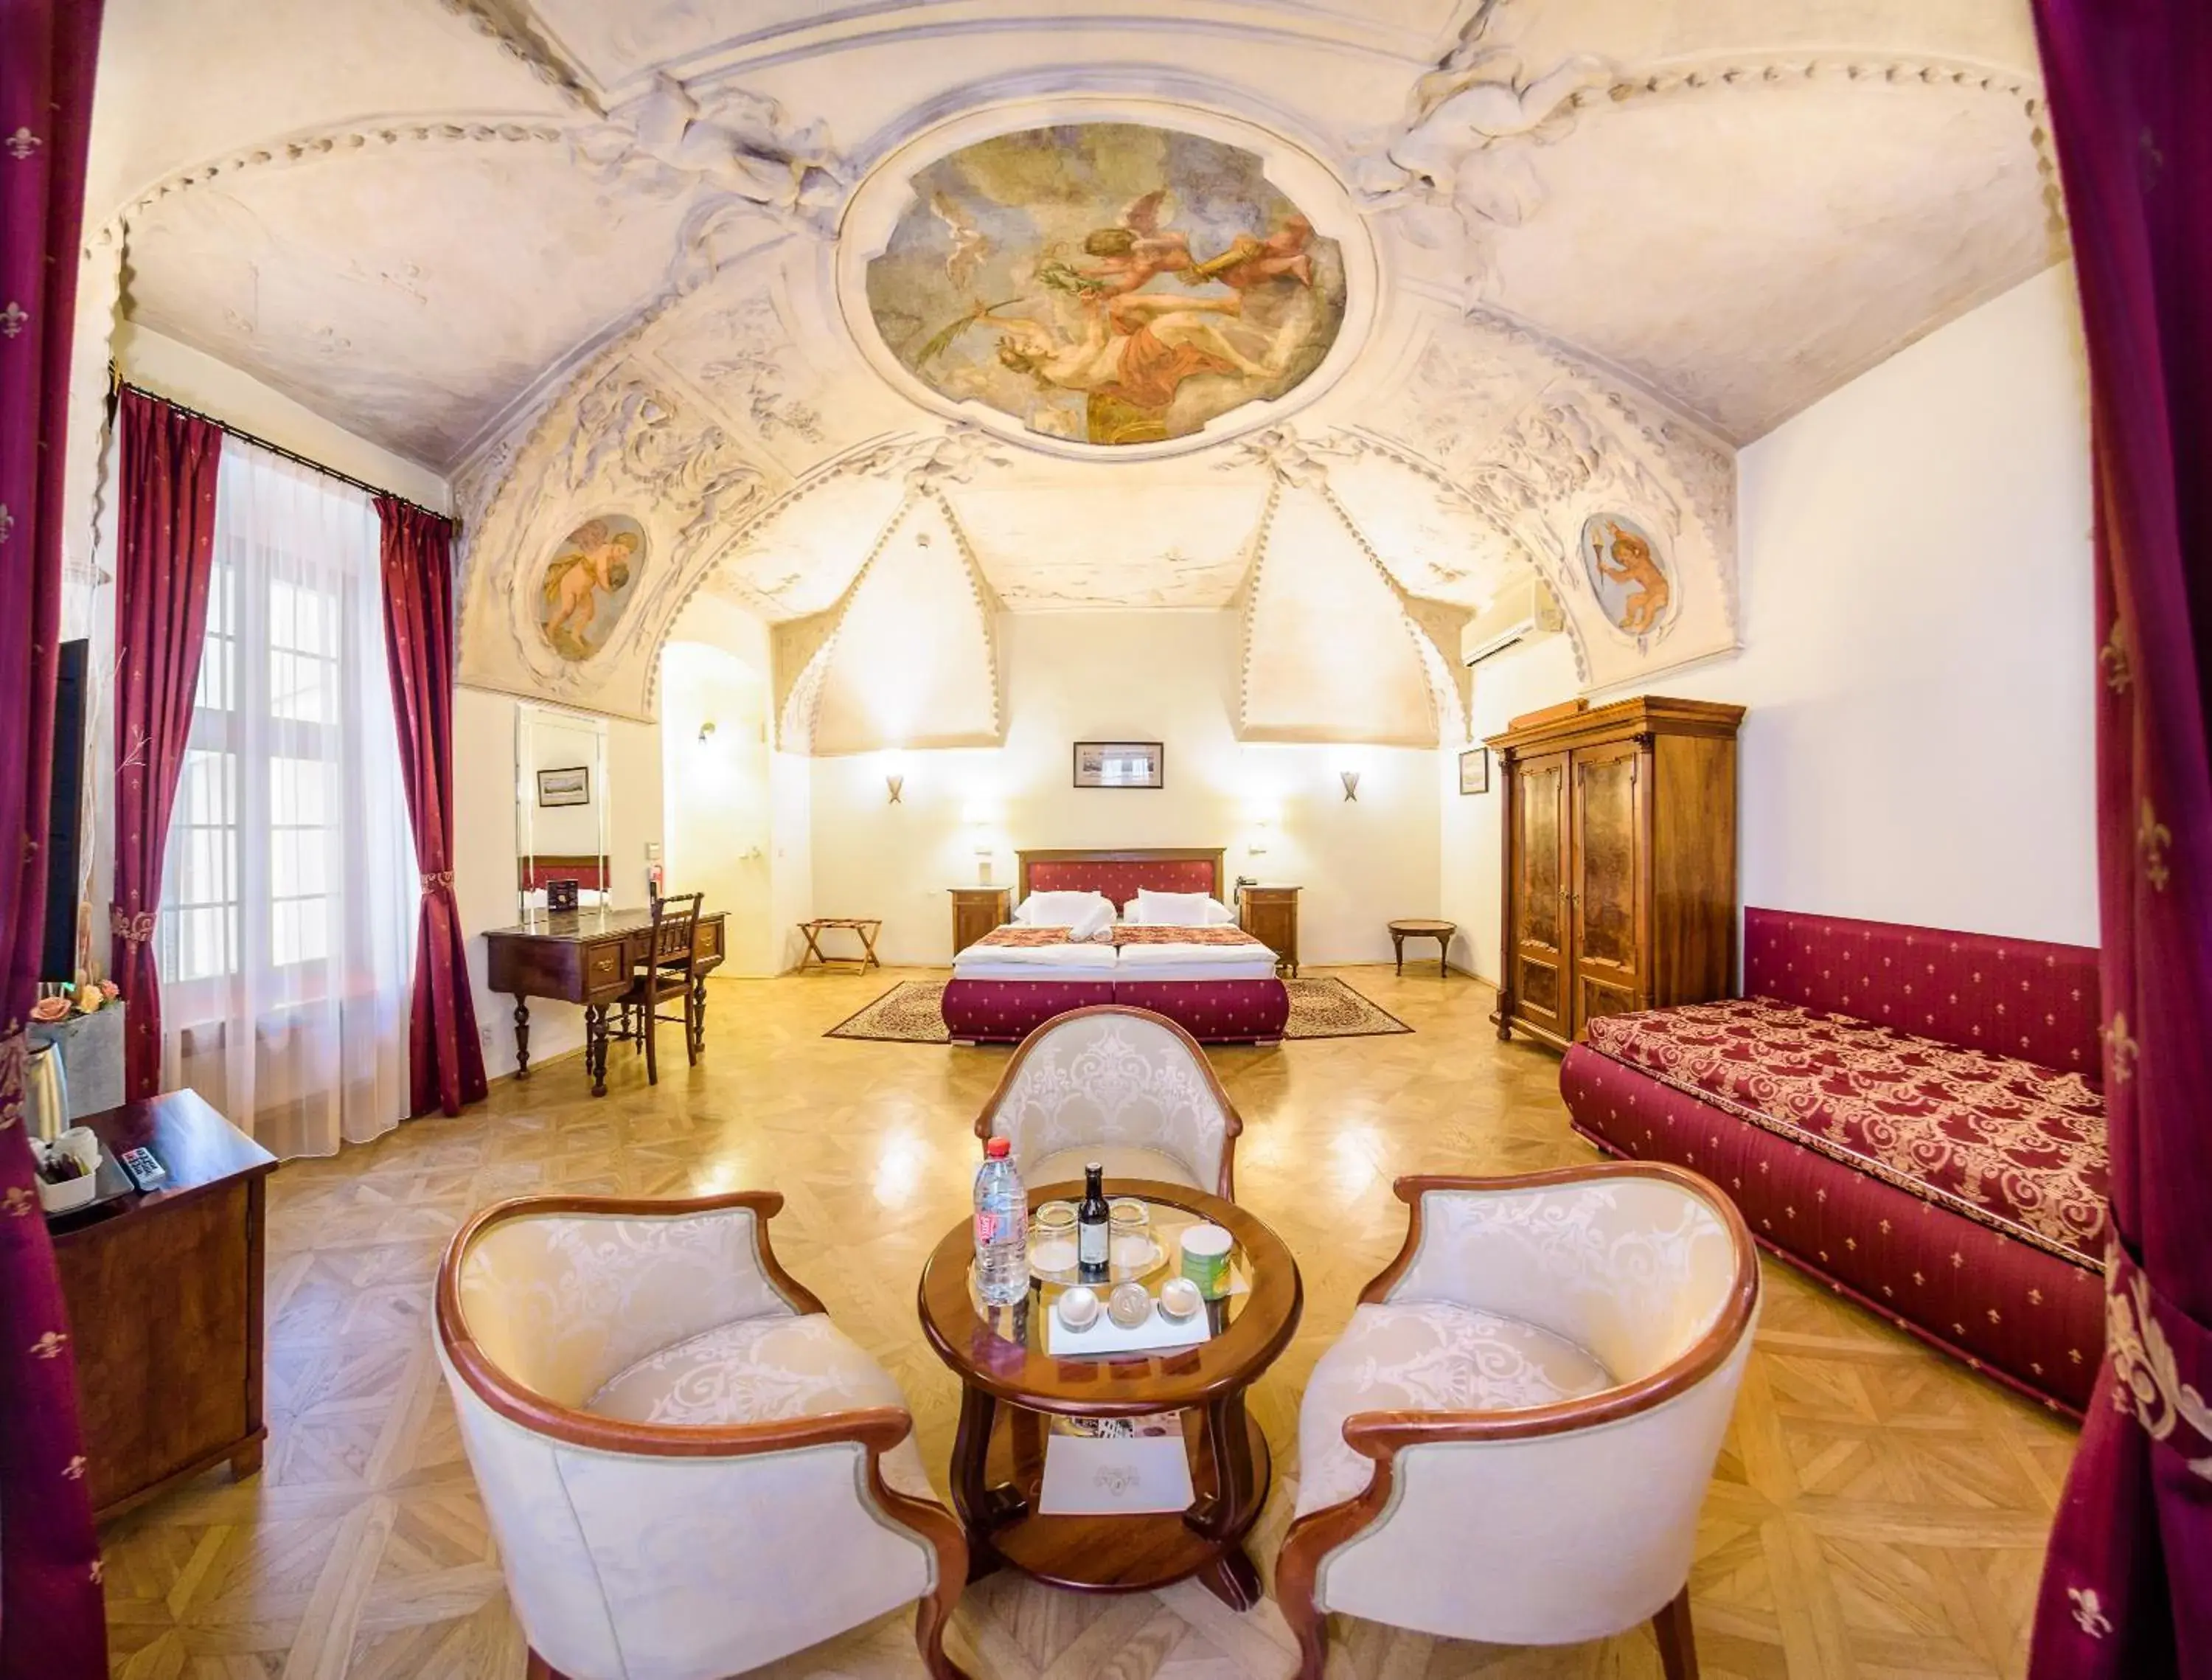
x=1340, y=315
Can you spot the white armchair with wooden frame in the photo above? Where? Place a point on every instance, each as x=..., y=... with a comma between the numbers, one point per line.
x=1120, y=1086
x=1511, y=1440
x=690, y=1470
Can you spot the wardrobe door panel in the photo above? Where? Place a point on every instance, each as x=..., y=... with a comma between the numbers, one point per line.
x=1606, y=885
x=1541, y=963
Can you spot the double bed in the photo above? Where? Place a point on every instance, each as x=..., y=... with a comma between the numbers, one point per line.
x=1218, y=982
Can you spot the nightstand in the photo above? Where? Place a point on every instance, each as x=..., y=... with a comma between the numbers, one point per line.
x=1270, y=915
x=976, y=911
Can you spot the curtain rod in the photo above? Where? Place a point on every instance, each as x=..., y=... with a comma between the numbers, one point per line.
x=116, y=382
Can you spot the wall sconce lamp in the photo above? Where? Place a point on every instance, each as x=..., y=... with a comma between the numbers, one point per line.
x=896, y=784
x=707, y=731
x=1351, y=783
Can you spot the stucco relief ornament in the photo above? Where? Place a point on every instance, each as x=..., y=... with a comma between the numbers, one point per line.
x=1462, y=164
x=743, y=148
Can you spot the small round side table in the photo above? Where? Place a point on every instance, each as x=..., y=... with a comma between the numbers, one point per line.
x=1011, y=1386
x=1441, y=932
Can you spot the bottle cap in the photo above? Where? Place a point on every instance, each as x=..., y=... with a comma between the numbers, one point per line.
x=998, y=1148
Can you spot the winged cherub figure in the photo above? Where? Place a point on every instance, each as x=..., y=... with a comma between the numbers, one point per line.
x=969, y=247
x=1629, y=562
x=1137, y=248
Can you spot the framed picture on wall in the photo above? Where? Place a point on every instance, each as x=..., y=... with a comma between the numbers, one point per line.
x=1474, y=770
x=565, y=786
x=1120, y=764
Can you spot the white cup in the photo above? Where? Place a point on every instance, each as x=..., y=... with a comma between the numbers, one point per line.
x=1078, y=1307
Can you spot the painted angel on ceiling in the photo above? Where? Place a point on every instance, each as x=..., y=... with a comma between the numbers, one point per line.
x=969, y=247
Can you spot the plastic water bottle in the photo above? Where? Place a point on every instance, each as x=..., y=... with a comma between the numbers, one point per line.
x=1002, y=1227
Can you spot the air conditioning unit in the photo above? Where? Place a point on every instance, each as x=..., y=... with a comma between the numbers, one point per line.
x=1523, y=611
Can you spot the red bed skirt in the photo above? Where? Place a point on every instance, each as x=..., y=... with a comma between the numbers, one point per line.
x=2019, y=1313
x=1213, y=1012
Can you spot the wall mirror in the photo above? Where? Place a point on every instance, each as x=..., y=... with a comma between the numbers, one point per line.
x=561, y=796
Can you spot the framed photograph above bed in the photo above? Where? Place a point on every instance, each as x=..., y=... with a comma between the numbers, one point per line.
x=1120, y=764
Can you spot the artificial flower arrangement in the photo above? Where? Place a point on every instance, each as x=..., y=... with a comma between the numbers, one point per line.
x=75, y=1000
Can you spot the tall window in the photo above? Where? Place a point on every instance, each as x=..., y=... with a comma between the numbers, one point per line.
x=288, y=893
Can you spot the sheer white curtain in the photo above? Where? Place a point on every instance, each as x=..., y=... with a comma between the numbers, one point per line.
x=288, y=896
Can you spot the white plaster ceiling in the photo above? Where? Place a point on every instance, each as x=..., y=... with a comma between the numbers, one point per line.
x=1610, y=241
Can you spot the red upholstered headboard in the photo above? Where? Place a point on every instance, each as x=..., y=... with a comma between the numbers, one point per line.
x=1120, y=874
x=589, y=873
x=2015, y=997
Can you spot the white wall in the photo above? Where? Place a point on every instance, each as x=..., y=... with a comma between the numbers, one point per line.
x=1166, y=676
x=1918, y=657
x=719, y=818
x=484, y=793
x=197, y=380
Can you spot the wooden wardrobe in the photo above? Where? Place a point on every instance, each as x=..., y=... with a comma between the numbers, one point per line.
x=1619, y=850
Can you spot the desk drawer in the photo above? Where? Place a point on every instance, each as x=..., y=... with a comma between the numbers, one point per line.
x=603, y=965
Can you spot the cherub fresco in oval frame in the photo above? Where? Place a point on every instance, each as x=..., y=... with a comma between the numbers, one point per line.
x=1107, y=284
x=1629, y=576
x=587, y=583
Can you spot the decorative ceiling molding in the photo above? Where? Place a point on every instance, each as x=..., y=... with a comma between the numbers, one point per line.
x=908, y=656
x=1461, y=166
x=1749, y=72
x=507, y=22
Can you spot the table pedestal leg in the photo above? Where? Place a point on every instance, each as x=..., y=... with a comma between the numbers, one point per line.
x=1398, y=945
x=1233, y=1504
x=698, y=1017
x=521, y=1037
x=595, y=1046
x=982, y=1507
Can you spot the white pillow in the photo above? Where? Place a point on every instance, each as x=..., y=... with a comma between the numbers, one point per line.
x=1176, y=910
x=1082, y=914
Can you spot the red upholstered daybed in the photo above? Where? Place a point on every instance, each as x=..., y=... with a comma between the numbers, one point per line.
x=1909, y=1114
x=1212, y=1011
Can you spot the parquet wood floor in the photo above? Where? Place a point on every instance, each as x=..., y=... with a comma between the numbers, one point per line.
x=1878, y=1512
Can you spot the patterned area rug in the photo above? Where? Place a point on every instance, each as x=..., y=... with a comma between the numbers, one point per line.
x=1320, y=1007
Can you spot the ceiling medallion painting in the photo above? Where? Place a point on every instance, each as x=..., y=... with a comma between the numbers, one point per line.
x=1630, y=579
x=587, y=584
x=1108, y=283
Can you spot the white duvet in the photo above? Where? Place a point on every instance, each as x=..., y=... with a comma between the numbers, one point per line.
x=1084, y=956
x=1178, y=962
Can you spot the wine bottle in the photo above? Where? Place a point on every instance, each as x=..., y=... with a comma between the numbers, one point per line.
x=1093, y=1227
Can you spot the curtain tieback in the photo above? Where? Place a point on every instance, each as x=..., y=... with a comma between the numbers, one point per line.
x=134, y=929
x=435, y=880
x=2161, y=1361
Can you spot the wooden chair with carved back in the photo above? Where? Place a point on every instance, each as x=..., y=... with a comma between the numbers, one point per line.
x=671, y=969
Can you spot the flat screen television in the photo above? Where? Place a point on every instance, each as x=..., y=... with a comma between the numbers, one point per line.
x=57, y=959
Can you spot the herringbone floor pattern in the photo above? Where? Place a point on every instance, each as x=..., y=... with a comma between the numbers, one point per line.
x=1878, y=1512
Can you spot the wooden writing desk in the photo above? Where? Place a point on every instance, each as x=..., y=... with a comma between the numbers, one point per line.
x=165, y=1303
x=587, y=957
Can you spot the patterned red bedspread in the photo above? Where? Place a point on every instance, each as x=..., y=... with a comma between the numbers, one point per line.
x=2007, y=1142
x=1018, y=936
x=1123, y=935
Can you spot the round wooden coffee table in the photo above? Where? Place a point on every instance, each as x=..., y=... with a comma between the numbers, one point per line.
x=1010, y=1385
x=1420, y=927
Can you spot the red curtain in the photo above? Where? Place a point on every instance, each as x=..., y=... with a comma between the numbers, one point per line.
x=51, y=1622
x=2126, y=1585
x=165, y=551
x=445, y=1056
